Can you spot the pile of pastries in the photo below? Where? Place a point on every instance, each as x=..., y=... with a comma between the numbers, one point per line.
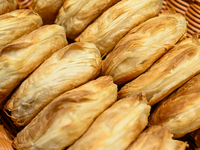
x=98, y=75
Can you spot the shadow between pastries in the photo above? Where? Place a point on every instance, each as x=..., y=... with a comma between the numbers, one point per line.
x=47, y=9
x=196, y=136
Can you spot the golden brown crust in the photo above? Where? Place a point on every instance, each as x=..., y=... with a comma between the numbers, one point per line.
x=21, y=57
x=16, y=24
x=157, y=138
x=179, y=112
x=172, y=70
x=67, y=117
x=143, y=45
x=7, y=6
x=25, y=4
x=76, y=15
x=47, y=9
x=66, y=69
x=153, y=138
x=114, y=23
x=117, y=126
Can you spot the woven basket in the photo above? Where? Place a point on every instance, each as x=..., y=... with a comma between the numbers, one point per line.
x=190, y=9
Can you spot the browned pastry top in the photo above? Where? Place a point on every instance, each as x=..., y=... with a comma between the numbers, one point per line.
x=25, y=4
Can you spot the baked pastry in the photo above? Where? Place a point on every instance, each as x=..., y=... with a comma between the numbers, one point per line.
x=5, y=139
x=21, y=57
x=180, y=111
x=25, y=4
x=7, y=6
x=67, y=117
x=115, y=22
x=76, y=15
x=117, y=126
x=157, y=138
x=196, y=136
x=66, y=69
x=17, y=23
x=143, y=45
x=47, y=9
x=173, y=69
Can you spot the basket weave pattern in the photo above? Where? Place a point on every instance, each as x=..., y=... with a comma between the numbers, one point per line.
x=190, y=9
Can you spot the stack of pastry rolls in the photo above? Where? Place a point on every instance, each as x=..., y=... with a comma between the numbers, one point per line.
x=22, y=56
x=143, y=45
x=97, y=92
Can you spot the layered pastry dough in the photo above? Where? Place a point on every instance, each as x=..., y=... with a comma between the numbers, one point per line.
x=157, y=138
x=21, y=57
x=17, y=23
x=76, y=15
x=180, y=111
x=143, y=45
x=67, y=117
x=114, y=23
x=117, y=126
x=66, y=69
x=173, y=69
x=47, y=9
x=196, y=136
x=7, y=6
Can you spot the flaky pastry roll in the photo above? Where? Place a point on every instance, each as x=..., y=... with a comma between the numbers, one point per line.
x=76, y=15
x=173, y=69
x=143, y=45
x=67, y=117
x=47, y=9
x=17, y=23
x=7, y=6
x=66, y=69
x=157, y=138
x=180, y=111
x=114, y=23
x=117, y=126
x=21, y=57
